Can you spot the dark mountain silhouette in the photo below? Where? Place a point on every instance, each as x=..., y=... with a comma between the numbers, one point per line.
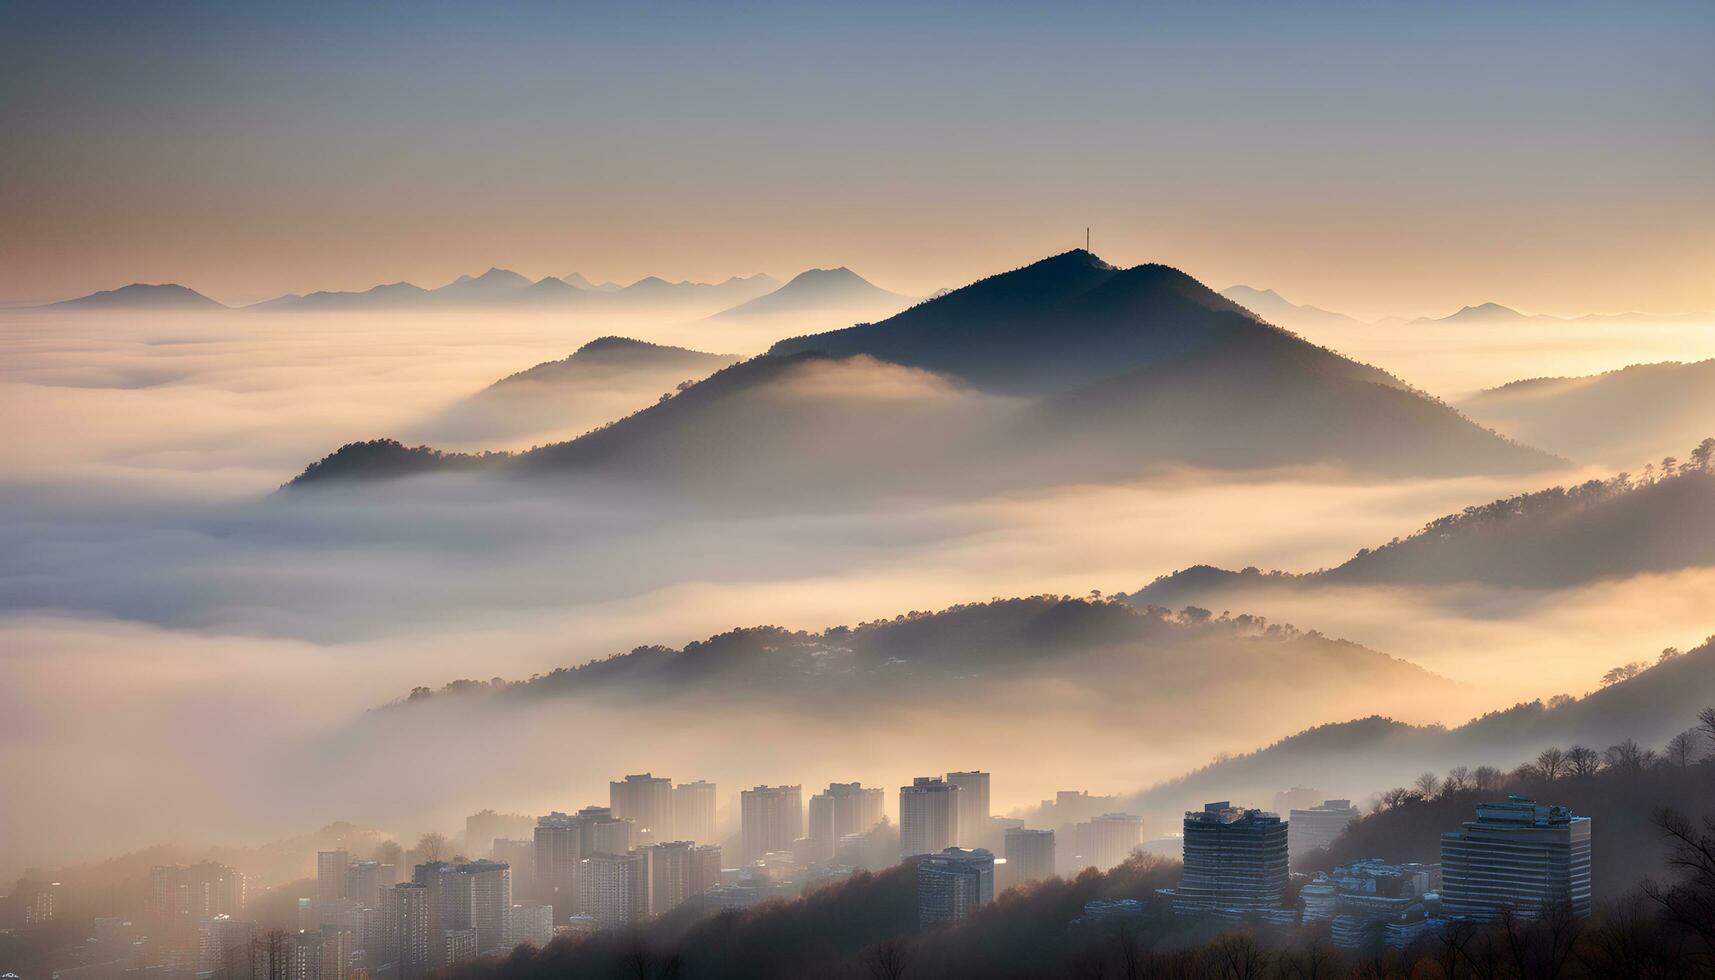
x=1553, y=538
x=1110, y=651
x=1182, y=371
x=1275, y=308
x=560, y=396
x=490, y=285
x=1488, y=314
x=142, y=296
x=1644, y=411
x=1355, y=758
x=821, y=290
x=1106, y=372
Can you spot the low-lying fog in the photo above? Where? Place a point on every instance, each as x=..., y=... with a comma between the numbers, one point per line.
x=181, y=649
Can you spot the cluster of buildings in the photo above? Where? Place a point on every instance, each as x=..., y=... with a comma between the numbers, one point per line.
x=1518, y=857
x=657, y=846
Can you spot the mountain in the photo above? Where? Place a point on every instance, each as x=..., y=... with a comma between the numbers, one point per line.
x=603, y=378
x=142, y=296
x=1642, y=412
x=821, y=291
x=1098, y=655
x=1553, y=538
x=1355, y=758
x=389, y=295
x=503, y=288
x=1488, y=315
x=1275, y=308
x=580, y=282
x=1068, y=369
x=493, y=284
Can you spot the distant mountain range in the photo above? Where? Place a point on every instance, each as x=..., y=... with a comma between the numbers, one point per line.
x=1620, y=418
x=1355, y=758
x=822, y=291
x=505, y=288
x=560, y=396
x=1275, y=308
x=142, y=296
x=1551, y=539
x=1096, y=654
x=1068, y=366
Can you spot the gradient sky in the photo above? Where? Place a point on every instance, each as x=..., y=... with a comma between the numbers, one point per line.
x=1373, y=158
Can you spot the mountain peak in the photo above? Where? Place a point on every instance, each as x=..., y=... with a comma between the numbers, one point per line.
x=144, y=296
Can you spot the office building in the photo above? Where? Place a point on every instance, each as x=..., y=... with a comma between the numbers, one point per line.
x=330, y=875
x=613, y=889
x=973, y=817
x=1318, y=826
x=928, y=816
x=1235, y=861
x=408, y=944
x=694, y=812
x=839, y=810
x=1029, y=856
x=952, y=884
x=770, y=819
x=1519, y=855
x=647, y=801
x=520, y=856
x=1296, y=798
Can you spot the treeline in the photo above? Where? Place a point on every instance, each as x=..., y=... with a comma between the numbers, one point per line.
x=866, y=929
x=1620, y=787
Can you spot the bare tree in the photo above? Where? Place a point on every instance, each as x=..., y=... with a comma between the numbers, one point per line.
x=1551, y=763
x=888, y=959
x=1684, y=749
x=1706, y=724
x=1487, y=778
x=1427, y=784
x=1629, y=756
x=1458, y=780
x=1236, y=956
x=1690, y=903
x=432, y=846
x=1583, y=760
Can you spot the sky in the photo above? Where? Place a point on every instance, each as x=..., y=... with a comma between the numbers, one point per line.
x=1372, y=158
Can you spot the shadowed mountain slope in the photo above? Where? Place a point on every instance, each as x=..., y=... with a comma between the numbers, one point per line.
x=1553, y=538
x=1644, y=411
x=1355, y=758
x=603, y=378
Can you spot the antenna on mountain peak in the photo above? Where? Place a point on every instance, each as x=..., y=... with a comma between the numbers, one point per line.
x=1086, y=238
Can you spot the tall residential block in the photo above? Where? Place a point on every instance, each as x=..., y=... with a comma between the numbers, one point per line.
x=973, y=823
x=770, y=819
x=1029, y=856
x=613, y=889
x=647, y=801
x=953, y=884
x=928, y=816
x=694, y=812
x=840, y=810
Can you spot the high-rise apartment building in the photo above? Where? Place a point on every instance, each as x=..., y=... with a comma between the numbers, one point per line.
x=482, y=829
x=928, y=816
x=973, y=822
x=952, y=884
x=363, y=882
x=1235, y=860
x=601, y=831
x=647, y=801
x=694, y=812
x=531, y=923
x=705, y=869
x=223, y=945
x=478, y=896
x=177, y=900
x=408, y=942
x=613, y=889
x=839, y=810
x=330, y=874
x=556, y=850
x=1106, y=841
x=1519, y=856
x=1029, y=856
x=1318, y=826
x=770, y=819
x=668, y=874
x=520, y=856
